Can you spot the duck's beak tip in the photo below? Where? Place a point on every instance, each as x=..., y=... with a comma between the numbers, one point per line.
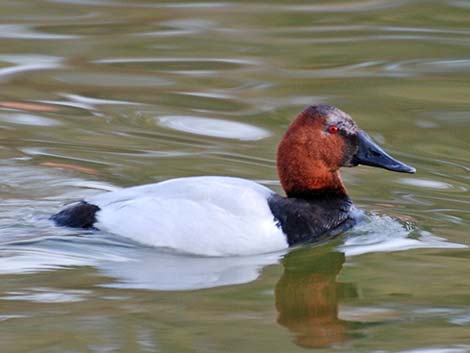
x=369, y=153
x=405, y=169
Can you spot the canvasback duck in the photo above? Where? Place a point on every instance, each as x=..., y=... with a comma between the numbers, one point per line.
x=223, y=216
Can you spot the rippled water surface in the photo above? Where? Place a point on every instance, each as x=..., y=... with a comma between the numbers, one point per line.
x=98, y=95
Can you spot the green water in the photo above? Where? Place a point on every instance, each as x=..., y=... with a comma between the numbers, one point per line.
x=114, y=90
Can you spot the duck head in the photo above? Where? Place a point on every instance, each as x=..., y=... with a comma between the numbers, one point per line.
x=319, y=141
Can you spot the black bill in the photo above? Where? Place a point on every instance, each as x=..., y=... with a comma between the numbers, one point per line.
x=369, y=153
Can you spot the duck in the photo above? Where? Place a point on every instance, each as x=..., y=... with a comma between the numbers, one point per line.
x=230, y=216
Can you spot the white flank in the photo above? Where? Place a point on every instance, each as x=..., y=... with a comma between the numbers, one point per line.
x=213, y=216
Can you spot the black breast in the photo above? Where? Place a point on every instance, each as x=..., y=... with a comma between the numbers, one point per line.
x=313, y=218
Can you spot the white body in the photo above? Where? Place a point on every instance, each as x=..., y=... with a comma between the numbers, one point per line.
x=214, y=216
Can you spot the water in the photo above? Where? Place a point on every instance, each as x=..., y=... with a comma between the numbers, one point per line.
x=98, y=95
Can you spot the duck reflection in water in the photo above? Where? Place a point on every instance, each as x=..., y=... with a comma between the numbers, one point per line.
x=307, y=297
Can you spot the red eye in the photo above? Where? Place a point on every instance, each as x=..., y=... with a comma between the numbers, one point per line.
x=333, y=129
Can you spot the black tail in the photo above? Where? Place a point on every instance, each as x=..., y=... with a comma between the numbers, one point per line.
x=79, y=215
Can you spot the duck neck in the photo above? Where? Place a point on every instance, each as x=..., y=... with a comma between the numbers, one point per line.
x=303, y=176
x=311, y=185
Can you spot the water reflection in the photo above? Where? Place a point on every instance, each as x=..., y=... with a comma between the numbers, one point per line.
x=307, y=297
x=214, y=127
x=177, y=65
x=24, y=63
x=27, y=119
x=28, y=32
x=89, y=103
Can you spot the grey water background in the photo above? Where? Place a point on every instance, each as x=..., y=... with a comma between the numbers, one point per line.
x=97, y=95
